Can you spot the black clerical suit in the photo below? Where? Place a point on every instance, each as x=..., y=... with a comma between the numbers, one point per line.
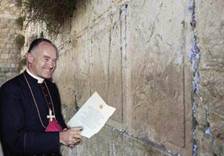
x=22, y=133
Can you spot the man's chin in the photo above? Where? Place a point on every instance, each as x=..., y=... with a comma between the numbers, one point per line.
x=47, y=76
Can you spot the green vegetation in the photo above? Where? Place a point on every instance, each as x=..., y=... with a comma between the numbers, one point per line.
x=52, y=12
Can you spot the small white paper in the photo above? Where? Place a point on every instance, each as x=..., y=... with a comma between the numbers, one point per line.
x=92, y=116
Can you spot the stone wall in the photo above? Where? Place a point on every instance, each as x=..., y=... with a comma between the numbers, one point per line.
x=135, y=54
x=209, y=110
x=9, y=51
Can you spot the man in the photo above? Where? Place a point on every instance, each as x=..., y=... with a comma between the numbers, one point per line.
x=31, y=122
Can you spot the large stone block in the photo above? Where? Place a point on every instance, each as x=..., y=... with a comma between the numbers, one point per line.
x=96, y=61
x=210, y=31
x=89, y=12
x=134, y=56
x=155, y=48
x=112, y=142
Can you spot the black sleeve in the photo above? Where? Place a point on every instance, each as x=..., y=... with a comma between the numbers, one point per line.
x=14, y=137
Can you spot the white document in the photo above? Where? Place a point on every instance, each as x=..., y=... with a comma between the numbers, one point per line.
x=92, y=116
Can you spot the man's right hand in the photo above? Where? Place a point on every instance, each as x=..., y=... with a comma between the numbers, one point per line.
x=70, y=137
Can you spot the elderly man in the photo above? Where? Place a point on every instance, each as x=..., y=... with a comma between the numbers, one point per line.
x=31, y=122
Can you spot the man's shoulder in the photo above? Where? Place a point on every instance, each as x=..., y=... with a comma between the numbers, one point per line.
x=13, y=82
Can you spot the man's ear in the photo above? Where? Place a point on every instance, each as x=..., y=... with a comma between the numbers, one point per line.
x=29, y=57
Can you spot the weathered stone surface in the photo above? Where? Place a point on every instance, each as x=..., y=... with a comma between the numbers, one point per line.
x=89, y=12
x=135, y=60
x=8, y=8
x=210, y=30
x=8, y=29
x=134, y=53
x=96, y=65
x=112, y=142
x=155, y=48
x=137, y=67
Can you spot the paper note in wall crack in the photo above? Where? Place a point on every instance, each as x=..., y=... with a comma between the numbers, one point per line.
x=92, y=116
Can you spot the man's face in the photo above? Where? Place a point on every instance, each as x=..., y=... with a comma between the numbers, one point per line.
x=42, y=61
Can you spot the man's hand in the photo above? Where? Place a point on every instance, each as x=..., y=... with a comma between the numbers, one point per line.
x=70, y=137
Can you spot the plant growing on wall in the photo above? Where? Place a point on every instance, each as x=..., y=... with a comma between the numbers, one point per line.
x=53, y=12
x=20, y=40
x=22, y=64
x=19, y=21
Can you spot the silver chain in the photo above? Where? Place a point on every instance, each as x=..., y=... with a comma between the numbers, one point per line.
x=34, y=100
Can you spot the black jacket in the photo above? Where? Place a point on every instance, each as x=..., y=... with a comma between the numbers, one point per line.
x=21, y=131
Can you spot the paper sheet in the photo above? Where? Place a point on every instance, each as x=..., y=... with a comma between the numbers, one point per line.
x=92, y=116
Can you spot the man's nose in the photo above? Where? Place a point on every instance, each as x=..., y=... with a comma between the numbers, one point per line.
x=52, y=64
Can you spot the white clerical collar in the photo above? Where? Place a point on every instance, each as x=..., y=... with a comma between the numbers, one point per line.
x=39, y=79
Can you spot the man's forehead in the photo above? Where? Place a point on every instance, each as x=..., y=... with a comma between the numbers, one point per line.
x=45, y=44
x=46, y=47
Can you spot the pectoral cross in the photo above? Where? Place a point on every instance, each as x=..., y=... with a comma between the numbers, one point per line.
x=50, y=116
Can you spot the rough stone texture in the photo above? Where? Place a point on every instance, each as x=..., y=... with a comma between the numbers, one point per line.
x=210, y=30
x=115, y=143
x=137, y=62
x=135, y=54
x=157, y=70
x=9, y=53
